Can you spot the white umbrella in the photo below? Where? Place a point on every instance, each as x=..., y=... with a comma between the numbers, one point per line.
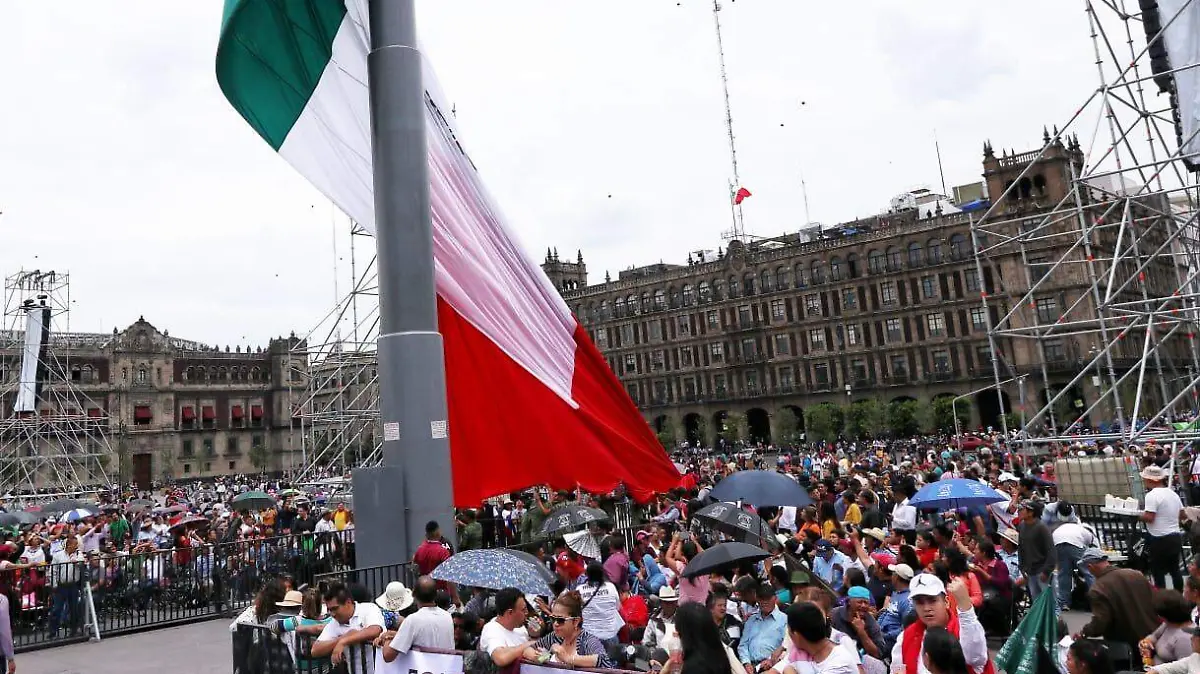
x=584, y=544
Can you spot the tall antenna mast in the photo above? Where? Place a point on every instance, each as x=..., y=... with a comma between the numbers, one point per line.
x=804, y=193
x=938, y=148
x=738, y=230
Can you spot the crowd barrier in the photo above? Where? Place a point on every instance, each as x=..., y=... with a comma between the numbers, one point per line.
x=258, y=650
x=54, y=604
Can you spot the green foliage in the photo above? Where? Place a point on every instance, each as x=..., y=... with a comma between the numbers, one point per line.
x=702, y=431
x=823, y=422
x=736, y=427
x=865, y=418
x=786, y=427
x=904, y=418
x=944, y=410
x=259, y=456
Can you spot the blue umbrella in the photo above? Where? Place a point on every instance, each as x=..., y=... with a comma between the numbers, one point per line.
x=954, y=494
x=761, y=488
x=496, y=569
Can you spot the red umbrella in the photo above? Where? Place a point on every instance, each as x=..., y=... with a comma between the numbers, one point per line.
x=971, y=442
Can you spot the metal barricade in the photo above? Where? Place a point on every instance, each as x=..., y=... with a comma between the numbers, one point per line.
x=54, y=604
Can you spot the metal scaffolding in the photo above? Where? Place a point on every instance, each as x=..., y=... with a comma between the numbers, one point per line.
x=1095, y=312
x=63, y=446
x=337, y=413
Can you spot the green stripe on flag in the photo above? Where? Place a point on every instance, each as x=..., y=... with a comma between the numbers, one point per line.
x=270, y=57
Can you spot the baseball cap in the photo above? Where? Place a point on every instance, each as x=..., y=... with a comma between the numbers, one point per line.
x=1093, y=555
x=926, y=585
x=903, y=570
x=859, y=592
x=824, y=544
x=884, y=559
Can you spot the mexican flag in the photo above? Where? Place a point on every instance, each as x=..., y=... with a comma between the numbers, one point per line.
x=531, y=400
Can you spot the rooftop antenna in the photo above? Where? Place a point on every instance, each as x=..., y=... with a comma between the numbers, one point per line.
x=937, y=148
x=735, y=209
x=804, y=193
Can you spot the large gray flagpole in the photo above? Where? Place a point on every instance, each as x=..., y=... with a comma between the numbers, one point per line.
x=412, y=486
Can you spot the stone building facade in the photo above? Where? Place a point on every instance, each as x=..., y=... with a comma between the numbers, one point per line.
x=168, y=407
x=886, y=307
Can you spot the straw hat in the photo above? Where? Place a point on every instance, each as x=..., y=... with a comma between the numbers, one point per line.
x=292, y=598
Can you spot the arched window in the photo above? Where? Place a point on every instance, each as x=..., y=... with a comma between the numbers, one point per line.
x=88, y=374
x=817, y=268
x=835, y=268
x=689, y=295
x=619, y=307
x=1025, y=188
x=933, y=251
x=764, y=281
x=142, y=377
x=719, y=290
x=224, y=376
x=893, y=258
x=735, y=287
x=591, y=312
x=254, y=374
x=748, y=283
x=212, y=374
x=660, y=299
x=673, y=294
x=783, y=278
x=958, y=247
x=631, y=305
x=914, y=254
x=705, y=291
x=852, y=265
x=645, y=300
x=245, y=373
x=604, y=310
x=801, y=275
x=875, y=261
x=1039, y=185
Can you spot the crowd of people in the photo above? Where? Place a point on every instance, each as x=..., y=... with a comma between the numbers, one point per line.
x=858, y=581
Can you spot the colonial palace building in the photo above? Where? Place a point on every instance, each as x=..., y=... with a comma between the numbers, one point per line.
x=885, y=307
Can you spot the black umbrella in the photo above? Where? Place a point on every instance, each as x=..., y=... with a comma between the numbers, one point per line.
x=735, y=521
x=570, y=518
x=722, y=556
x=62, y=505
x=761, y=488
x=18, y=517
x=139, y=505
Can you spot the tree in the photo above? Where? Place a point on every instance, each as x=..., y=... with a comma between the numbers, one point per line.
x=736, y=427
x=260, y=458
x=904, y=418
x=666, y=436
x=945, y=408
x=823, y=422
x=865, y=418
x=702, y=432
x=787, y=427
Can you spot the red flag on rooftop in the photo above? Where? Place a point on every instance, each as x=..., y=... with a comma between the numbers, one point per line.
x=742, y=193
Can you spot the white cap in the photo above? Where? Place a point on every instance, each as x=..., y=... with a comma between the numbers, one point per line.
x=926, y=585
x=903, y=570
x=1008, y=477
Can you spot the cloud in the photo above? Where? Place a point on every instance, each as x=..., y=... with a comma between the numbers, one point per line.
x=123, y=164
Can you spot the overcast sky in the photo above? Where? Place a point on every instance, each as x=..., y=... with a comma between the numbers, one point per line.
x=597, y=125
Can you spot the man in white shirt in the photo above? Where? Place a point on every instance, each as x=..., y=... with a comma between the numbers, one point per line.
x=429, y=627
x=354, y=625
x=1161, y=515
x=505, y=638
x=904, y=516
x=1070, y=540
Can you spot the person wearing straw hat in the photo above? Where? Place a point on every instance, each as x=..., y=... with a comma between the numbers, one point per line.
x=1164, y=537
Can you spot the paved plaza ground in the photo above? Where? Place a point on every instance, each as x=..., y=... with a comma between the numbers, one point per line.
x=203, y=648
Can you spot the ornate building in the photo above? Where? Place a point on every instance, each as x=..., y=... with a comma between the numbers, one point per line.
x=886, y=307
x=170, y=407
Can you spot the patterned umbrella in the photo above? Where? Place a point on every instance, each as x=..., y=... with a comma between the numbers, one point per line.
x=571, y=517
x=584, y=544
x=743, y=525
x=952, y=494
x=496, y=569
x=77, y=514
x=200, y=523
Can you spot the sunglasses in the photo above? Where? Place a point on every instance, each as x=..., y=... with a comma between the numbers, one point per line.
x=560, y=620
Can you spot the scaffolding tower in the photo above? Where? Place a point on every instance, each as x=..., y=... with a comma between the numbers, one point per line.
x=57, y=440
x=1093, y=320
x=337, y=413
